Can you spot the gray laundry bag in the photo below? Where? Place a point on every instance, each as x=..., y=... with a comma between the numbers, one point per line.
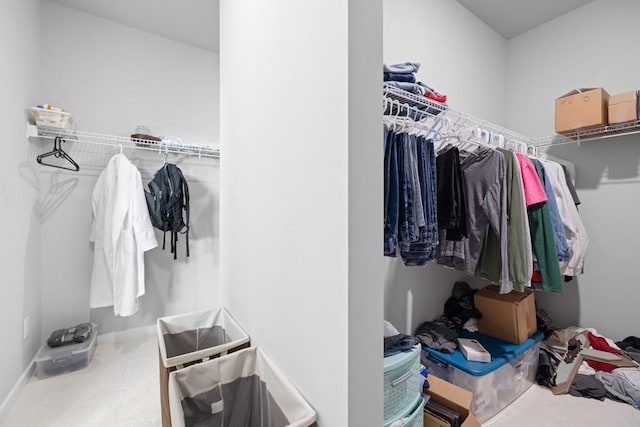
x=242, y=389
x=185, y=338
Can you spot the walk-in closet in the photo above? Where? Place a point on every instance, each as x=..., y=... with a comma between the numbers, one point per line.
x=276, y=113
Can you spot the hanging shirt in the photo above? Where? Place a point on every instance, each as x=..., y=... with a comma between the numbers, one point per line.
x=519, y=246
x=543, y=239
x=485, y=189
x=452, y=208
x=122, y=232
x=559, y=234
x=533, y=190
x=577, y=238
x=570, y=185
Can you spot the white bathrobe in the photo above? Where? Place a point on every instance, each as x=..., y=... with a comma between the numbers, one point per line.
x=122, y=232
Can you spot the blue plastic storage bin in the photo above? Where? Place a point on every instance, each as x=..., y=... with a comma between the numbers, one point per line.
x=495, y=385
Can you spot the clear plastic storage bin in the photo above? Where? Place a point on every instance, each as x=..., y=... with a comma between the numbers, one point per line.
x=240, y=389
x=52, y=361
x=494, y=385
x=51, y=118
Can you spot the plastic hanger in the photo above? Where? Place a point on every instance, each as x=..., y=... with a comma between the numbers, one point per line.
x=59, y=153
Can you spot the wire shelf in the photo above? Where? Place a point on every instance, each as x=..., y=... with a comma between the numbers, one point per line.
x=585, y=135
x=421, y=106
x=199, y=150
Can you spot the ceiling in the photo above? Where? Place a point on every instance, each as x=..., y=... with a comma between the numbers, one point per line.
x=511, y=18
x=194, y=22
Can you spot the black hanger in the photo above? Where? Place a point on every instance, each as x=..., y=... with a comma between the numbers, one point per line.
x=59, y=153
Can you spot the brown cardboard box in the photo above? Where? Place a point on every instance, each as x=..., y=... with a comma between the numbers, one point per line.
x=581, y=109
x=510, y=317
x=623, y=107
x=452, y=396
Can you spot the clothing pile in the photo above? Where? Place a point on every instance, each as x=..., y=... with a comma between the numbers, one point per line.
x=594, y=379
x=499, y=215
x=403, y=77
x=395, y=342
x=459, y=313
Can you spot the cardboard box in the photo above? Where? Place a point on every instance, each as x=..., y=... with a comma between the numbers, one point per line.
x=510, y=317
x=623, y=107
x=453, y=397
x=582, y=109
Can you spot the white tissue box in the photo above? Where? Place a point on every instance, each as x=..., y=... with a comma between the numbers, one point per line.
x=473, y=350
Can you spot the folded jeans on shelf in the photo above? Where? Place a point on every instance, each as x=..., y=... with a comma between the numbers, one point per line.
x=406, y=67
x=399, y=77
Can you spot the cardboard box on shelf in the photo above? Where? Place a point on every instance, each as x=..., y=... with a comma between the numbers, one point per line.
x=623, y=107
x=582, y=109
x=453, y=397
x=510, y=317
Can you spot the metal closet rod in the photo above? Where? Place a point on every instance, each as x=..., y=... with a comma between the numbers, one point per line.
x=126, y=142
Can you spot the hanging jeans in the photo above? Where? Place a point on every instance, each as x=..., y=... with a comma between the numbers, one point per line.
x=422, y=249
x=391, y=193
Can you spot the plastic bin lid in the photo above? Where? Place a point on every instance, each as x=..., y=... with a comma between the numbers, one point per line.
x=396, y=360
x=502, y=352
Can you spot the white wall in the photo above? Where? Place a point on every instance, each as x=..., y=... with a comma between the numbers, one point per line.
x=594, y=46
x=465, y=59
x=301, y=155
x=111, y=78
x=20, y=253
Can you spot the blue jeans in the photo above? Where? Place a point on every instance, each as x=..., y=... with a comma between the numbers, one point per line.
x=391, y=200
x=399, y=77
x=406, y=67
x=424, y=247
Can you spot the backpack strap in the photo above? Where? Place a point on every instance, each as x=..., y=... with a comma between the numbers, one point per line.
x=185, y=196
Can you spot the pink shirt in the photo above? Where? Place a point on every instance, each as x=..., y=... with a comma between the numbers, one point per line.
x=533, y=190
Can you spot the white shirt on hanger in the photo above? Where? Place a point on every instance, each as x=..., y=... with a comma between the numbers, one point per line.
x=577, y=238
x=122, y=232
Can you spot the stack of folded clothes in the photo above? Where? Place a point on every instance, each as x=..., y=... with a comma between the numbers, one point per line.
x=403, y=77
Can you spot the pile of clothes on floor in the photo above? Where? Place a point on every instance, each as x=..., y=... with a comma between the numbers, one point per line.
x=459, y=313
x=584, y=363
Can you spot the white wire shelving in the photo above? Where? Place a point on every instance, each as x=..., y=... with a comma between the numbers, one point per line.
x=421, y=106
x=123, y=142
x=586, y=135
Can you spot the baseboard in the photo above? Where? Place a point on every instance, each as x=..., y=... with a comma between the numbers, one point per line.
x=111, y=337
x=8, y=402
x=128, y=335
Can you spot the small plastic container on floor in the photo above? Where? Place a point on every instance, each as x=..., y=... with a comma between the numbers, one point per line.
x=244, y=388
x=52, y=361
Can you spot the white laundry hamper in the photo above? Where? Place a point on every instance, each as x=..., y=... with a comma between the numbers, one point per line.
x=242, y=389
x=189, y=338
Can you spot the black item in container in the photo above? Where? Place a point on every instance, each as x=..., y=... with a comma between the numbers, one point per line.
x=74, y=335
